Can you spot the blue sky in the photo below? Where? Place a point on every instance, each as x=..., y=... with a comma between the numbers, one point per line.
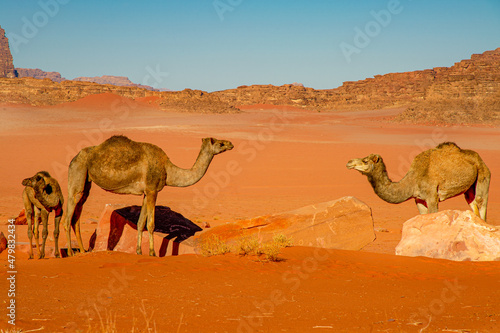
x=221, y=44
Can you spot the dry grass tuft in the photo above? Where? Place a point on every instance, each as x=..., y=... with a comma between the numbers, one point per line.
x=245, y=246
x=248, y=246
x=213, y=246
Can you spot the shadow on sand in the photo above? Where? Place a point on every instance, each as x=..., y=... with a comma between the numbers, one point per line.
x=173, y=225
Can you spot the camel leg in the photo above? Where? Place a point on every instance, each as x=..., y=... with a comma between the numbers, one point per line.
x=151, y=204
x=35, y=230
x=45, y=218
x=421, y=206
x=140, y=225
x=470, y=197
x=57, y=221
x=78, y=192
x=432, y=204
x=29, y=217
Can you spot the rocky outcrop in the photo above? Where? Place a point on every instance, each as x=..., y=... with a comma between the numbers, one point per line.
x=345, y=224
x=113, y=80
x=467, y=92
x=6, y=62
x=117, y=231
x=453, y=235
x=3, y=242
x=21, y=218
x=46, y=92
x=39, y=74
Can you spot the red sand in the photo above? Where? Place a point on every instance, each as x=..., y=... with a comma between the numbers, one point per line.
x=284, y=159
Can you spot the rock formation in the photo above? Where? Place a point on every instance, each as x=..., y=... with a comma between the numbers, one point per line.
x=452, y=235
x=3, y=242
x=39, y=74
x=6, y=62
x=345, y=224
x=113, y=80
x=467, y=92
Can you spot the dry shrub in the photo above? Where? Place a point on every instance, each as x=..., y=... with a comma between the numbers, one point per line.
x=248, y=245
x=213, y=246
x=282, y=241
x=108, y=324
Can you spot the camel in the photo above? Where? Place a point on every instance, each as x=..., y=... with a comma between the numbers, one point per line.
x=435, y=175
x=120, y=165
x=42, y=195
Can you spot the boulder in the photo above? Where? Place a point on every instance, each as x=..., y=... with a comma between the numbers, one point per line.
x=345, y=223
x=21, y=218
x=451, y=234
x=117, y=231
x=3, y=242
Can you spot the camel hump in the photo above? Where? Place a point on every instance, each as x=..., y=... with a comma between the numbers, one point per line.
x=117, y=152
x=448, y=145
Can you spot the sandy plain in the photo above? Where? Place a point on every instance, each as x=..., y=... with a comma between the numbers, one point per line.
x=284, y=158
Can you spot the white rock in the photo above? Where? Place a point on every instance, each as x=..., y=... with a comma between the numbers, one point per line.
x=451, y=234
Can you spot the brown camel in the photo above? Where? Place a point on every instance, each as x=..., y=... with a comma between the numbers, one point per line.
x=42, y=194
x=123, y=166
x=435, y=175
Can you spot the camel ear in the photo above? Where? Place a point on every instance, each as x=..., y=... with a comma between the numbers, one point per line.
x=375, y=158
x=213, y=141
x=27, y=181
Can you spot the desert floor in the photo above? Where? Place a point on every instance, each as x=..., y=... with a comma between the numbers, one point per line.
x=283, y=159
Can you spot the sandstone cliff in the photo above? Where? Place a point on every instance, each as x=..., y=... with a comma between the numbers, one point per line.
x=6, y=62
x=46, y=92
x=467, y=92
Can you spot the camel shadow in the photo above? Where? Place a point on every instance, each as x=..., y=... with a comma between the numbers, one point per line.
x=173, y=225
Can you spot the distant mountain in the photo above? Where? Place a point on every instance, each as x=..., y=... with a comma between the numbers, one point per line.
x=114, y=80
x=39, y=74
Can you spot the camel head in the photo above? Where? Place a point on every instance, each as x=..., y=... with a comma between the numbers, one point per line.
x=40, y=181
x=365, y=165
x=47, y=189
x=217, y=146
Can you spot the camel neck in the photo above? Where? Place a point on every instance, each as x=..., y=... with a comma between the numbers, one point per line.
x=386, y=189
x=179, y=177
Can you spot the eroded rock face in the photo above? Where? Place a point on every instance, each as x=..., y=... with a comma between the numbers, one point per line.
x=6, y=62
x=451, y=234
x=345, y=223
x=466, y=93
